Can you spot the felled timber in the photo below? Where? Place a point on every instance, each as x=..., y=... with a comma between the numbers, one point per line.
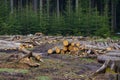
x=67, y=42
x=103, y=58
x=51, y=51
x=111, y=60
x=17, y=37
x=7, y=45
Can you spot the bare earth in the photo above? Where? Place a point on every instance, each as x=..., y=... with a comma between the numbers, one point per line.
x=54, y=67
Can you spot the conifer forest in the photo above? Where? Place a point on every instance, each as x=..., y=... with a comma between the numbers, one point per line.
x=60, y=17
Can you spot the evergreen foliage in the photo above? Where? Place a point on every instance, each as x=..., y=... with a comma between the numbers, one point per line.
x=86, y=21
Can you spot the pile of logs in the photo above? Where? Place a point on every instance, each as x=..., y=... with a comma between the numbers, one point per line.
x=70, y=44
x=73, y=47
x=66, y=46
x=23, y=58
x=83, y=48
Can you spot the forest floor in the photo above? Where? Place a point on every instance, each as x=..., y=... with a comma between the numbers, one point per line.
x=54, y=67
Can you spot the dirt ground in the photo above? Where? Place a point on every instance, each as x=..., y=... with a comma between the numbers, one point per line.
x=54, y=67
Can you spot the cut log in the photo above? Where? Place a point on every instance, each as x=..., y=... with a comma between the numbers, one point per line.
x=109, y=49
x=37, y=56
x=95, y=47
x=78, y=44
x=106, y=44
x=73, y=52
x=58, y=50
x=75, y=48
x=116, y=46
x=67, y=42
x=103, y=67
x=17, y=37
x=29, y=54
x=29, y=62
x=103, y=58
x=114, y=54
x=38, y=34
x=70, y=48
x=35, y=43
x=19, y=47
x=112, y=60
x=65, y=48
x=113, y=65
x=72, y=44
x=63, y=52
x=51, y=51
x=9, y=44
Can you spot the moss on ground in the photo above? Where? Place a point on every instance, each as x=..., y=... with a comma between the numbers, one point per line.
x=11, y=70
x=43, y=78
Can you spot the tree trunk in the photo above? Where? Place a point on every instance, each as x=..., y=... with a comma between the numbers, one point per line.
x=76, y=5
x=92, y=4
x=35, y=5
x=11, y=5
x=69, y=6
x=41, y=6
x=106, y=8
x=113, y=13
x=21, y=5
x=48, y=7
x=5, y=2
x=58, y=9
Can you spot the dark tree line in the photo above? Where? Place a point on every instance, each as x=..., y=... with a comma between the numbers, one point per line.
x=60, y=17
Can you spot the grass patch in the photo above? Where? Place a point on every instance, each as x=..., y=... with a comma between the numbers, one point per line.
x=115, y=37
x=108, y=70
x=101, y=40
x=13, y=70
x=87, y=60
x=30, y=48
x=43, y=78
x=2, y=53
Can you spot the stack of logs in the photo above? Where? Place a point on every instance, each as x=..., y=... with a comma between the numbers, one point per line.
x=67, y=46
x=70, y=47
x=82, y=48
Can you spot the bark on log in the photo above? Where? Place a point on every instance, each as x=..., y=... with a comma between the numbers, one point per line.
x=113, y=54
x=19, y=47
x=103, y=58
x=113, y=65
x=35, y=43
x=9, y=44
x=112, y=60
x=17, y=37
